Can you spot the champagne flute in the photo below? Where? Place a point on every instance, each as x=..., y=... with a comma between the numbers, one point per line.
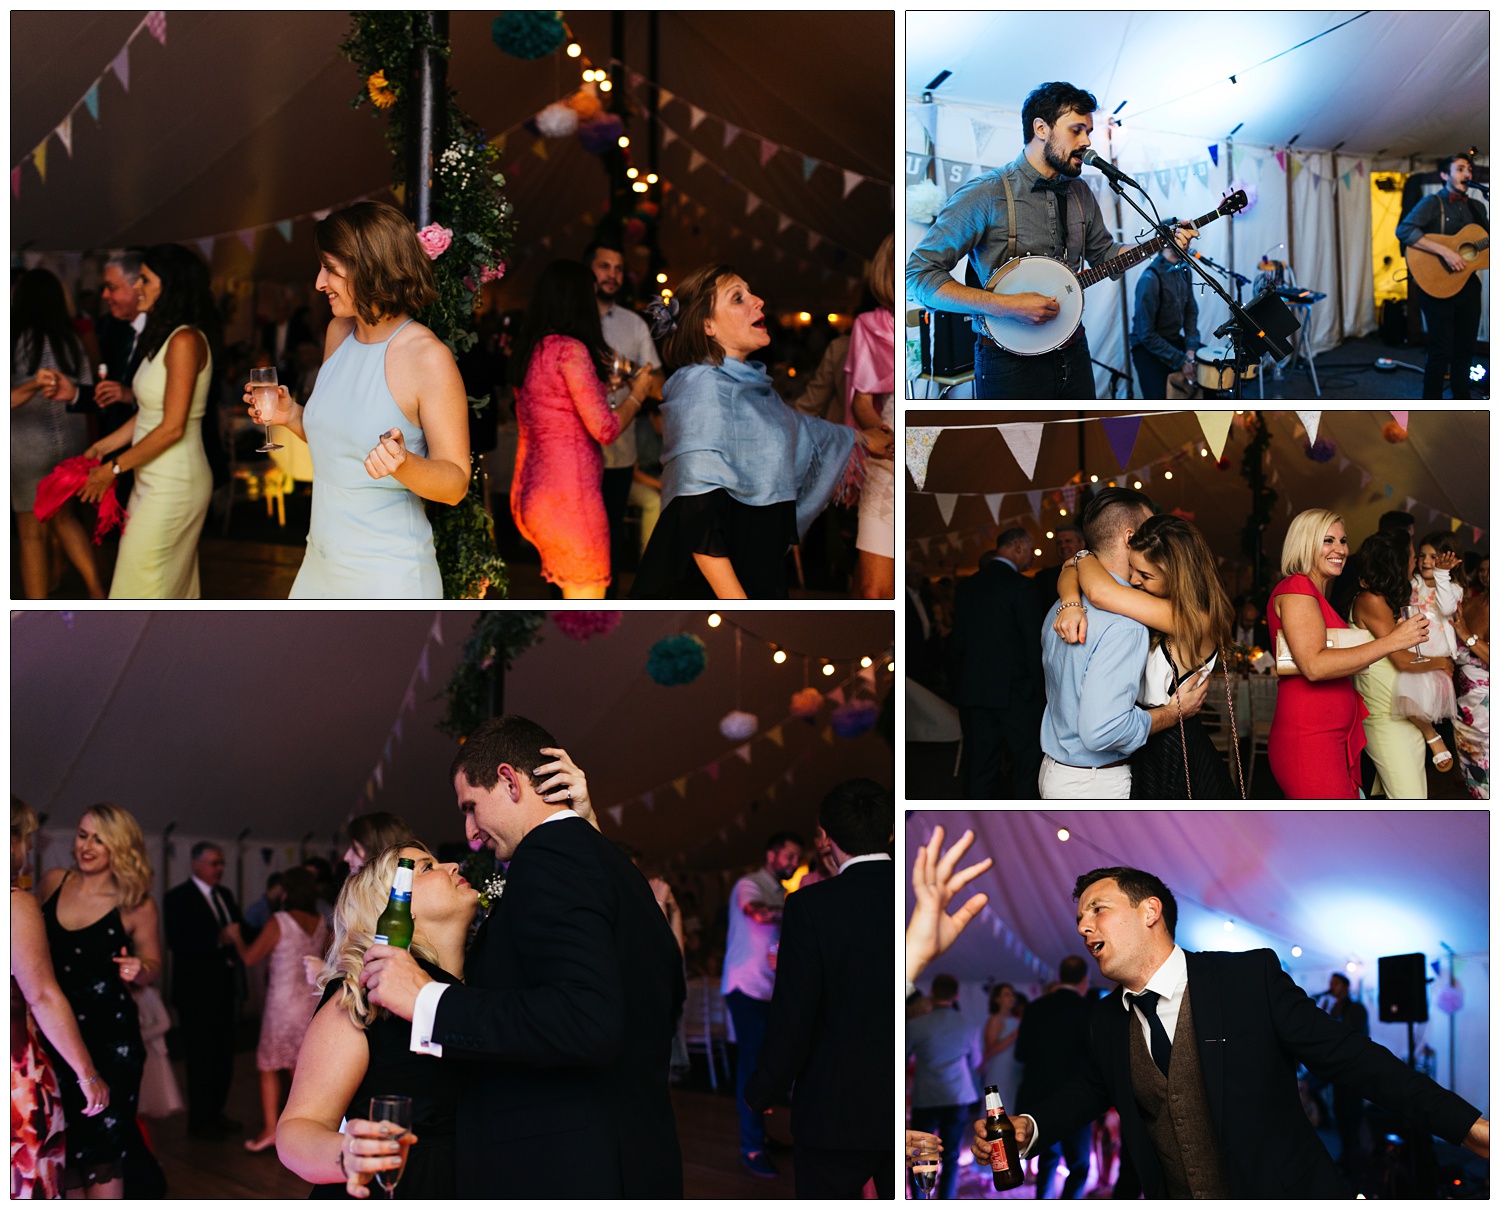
x=264, y=392
x=926, y=1162
x=396, y=1111
x=1412, y=611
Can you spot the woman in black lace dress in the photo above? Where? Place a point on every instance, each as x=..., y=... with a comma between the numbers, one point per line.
x=103, y=937
x=354, y=1051
x=1175, y=592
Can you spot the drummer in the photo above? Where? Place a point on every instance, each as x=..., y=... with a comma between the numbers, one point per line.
x=1164, y=334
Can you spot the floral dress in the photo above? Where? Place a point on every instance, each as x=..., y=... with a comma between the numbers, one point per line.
x=36, y=1112
x=1471, y=724
x=82, y=959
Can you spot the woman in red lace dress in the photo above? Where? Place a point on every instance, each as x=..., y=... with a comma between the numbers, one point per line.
x=1316, y=735
x=562, y=373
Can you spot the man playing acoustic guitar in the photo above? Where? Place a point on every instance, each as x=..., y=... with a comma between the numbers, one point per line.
x=1452, y=323
x=1037, y=205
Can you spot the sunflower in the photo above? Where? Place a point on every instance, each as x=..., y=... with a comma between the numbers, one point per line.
x=381, y=92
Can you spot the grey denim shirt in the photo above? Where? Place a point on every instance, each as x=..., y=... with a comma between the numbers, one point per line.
x=973, y=223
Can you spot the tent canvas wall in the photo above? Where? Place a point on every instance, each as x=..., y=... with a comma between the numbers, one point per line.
x=1360, y=89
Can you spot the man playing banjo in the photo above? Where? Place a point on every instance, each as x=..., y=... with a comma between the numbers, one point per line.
x=1036, y=205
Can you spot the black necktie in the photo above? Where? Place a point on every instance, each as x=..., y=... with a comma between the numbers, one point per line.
x=1161, y=1045
x=221, y=916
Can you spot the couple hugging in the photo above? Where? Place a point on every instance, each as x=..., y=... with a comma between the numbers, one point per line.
x=1127, y=657
x=537, y=1057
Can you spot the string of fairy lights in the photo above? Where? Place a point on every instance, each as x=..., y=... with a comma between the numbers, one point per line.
x=826, y=663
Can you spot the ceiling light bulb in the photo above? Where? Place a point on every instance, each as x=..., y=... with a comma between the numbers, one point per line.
x=574, y=50
x=604, y=85
x=652, y=178
x=866, y=662
x=891, y=666
x=1296, y=951
x=1169, y=474
x=1063, y=834
x=640, y=186
x=632, y=173
x=1093, y=478
x=661, y=279
x=779, y=657
x=714, y=619
x=827, y=669
x=623, y=140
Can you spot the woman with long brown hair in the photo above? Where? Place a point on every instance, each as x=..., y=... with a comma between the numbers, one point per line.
x=1175, y=591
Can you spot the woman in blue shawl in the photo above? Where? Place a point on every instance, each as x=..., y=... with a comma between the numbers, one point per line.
x=743, y=474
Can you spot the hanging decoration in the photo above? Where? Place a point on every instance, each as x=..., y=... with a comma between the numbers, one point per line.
x=806, y=703
x=854, y=718
x=923, y=201
x=678, y=659
x=528, y=34
x=1321, y=450
x=557, y=121
x=583, y=624
x=499, y=635
x=1393, y=432
x=738, y=725
x=421, y=673
x=601, y=134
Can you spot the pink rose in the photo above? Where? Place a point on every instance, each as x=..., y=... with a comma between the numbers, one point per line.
x=488, y=274
x=434, y=240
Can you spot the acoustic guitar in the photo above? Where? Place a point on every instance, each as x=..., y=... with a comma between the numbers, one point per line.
x=1429, y=270
x=1048, y=276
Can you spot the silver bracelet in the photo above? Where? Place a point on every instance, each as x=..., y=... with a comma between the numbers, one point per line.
x=90, y=1080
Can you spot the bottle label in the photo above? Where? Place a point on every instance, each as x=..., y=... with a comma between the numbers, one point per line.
x=992, y=1103
x=382, y=939
x=998, y=1160
x=401, y=888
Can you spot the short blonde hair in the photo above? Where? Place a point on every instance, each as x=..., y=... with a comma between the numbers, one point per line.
x=1304, y=538
x=881, y=273
x=363, y=898
x=128, y=862
x=388, y=271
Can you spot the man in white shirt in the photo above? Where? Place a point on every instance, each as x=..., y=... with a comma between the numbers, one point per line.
x=629, y=336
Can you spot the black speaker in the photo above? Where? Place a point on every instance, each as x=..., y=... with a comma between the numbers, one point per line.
x=1403, y=987
x=947, y=344
x=1277, y=326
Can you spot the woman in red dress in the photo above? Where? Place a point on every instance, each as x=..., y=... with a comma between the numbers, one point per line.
x=1316, y=734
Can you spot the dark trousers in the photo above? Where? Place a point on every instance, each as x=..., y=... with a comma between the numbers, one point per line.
x=1076, y=1148
x=1452, y=328
x=990, y=733
x=617, y=481
x=1150, y=373
x=749, y=1016
x=1062, y=374
x=208, y=1049
x=826, y=1172
x=950, y=1123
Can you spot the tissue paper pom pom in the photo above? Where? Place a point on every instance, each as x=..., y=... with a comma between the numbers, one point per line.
x=582, y=624
x=854, y=718
x=923, y=201
x=601, y=134
x=1450, y=999
x=528, y=34
x=1393, y=433
x=557, y=121
x=806, y=703
x=738, y=724
x=676, y=659
x=1322, y=450
x=585, y=103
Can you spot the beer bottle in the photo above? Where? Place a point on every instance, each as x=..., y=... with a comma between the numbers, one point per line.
x=394, y=925
x=1005, y=1157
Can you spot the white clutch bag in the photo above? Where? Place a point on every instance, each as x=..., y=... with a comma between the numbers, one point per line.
x=1353, y=636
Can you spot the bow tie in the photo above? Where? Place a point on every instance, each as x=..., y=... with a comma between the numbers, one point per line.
x=1057, y=185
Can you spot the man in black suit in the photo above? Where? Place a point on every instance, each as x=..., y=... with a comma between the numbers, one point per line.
x=574, y=989
x=995, y=668
x=1052, y=1048
x=1069, y=541
x=1218, y=1038
x=831, y=1032
x=203, y=988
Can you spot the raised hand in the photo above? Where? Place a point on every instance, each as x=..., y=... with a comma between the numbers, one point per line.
x=931, y=930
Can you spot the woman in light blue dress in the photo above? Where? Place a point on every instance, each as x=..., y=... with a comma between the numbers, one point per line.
x=387, y=423
x=1000, y=1066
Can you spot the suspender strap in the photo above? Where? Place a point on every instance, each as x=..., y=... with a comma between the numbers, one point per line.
x=1010, y=219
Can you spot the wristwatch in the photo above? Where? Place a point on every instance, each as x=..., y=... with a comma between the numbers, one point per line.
x=1471, y=640
x=114, y=462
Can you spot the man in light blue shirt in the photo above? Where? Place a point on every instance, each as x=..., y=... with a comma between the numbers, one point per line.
x=1092, y=723
x=946, y=1046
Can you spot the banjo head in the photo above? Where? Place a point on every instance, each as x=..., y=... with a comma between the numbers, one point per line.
x=1036, y=275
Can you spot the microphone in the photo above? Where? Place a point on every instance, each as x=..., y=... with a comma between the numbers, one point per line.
x=1484, y=189
x=1094, y=158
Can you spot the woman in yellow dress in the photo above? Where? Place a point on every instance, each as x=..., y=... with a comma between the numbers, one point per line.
x=163, y=442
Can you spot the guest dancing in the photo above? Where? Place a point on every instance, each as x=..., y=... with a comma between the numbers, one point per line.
x=1316, y=734
x=43, y=431
x=1471, y=725
x=354, y=1051
x=871, y=385
x=561, y=370
x=743, y=474
x=163, y=442
x=999, y=1055
x=1423, y=699
x=38, y=1009
x=1177, y=594
x=387, y=422
x=102, y=933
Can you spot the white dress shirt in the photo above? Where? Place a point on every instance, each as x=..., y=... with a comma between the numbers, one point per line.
x=221, y=914
x=864, y=857
x=424, y=1013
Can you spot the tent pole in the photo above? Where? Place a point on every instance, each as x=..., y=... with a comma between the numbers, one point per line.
x=1229, y=187
x=1291, y=241
x=1338, y=251
x=1109, y=136
x=425, y=133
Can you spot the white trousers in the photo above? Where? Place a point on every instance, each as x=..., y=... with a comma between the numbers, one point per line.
x=1064, y=781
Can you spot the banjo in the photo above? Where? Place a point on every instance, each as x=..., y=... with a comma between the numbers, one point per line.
x=1043, y=275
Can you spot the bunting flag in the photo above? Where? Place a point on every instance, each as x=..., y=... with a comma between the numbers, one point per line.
x=1347, y=178
x=1401, y=418
x=664, y=97
x=668, y=136
x=649, y=798
x=539, y=149
x=285, y=228
x=1411, y=503
x=616, y=813
x=205, y=248
x=1364, y=478
x=776, y=737
x=828, y=736
x=680, y=785
x=120, y=65
x=1281, y=159
x=15, y=182
x=1200, y=169
x=1295, y=168
x=837, y=696
x=1122, y=432
x=919, y=442
x=696, y=116
x=156, y=22
x=696, y=161
x=768, y=151
x=91, y=99
x=1034, y=499
x=993, y=500
x=983, y=133
x=809, y=166
x=1310, y=422
x=1317, y=179
x=64, y=134
x=1164, y=180
x=1213, y=153
x=926, y=116
x=1215, y=427
x=731, y=132
x=712, y=769
x=752, y=202
x=1455, y=526
x=852, y=181
x=743, y=752
x=813, y=240
x=39, y=158
x=1025, y=442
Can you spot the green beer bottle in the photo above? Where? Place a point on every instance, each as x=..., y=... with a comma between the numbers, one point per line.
x=394, y=925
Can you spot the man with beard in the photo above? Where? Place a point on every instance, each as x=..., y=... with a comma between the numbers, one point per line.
x=1037, y=205
x=628, y=336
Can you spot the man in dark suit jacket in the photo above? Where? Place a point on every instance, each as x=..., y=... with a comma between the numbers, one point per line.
x=831, y=1034
x=1218, y=1038
x=1052, y=1048
x=574, y=989
x=1069, y=540
x=203, y=988
x=995, y=668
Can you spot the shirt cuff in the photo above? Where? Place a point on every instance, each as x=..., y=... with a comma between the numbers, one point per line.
x=423, y=1016
x=1031, y=1142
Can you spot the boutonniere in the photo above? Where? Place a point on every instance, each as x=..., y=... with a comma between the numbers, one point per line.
x=489, y=894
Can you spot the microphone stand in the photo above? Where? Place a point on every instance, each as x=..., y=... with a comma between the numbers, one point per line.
x=1239, y=326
